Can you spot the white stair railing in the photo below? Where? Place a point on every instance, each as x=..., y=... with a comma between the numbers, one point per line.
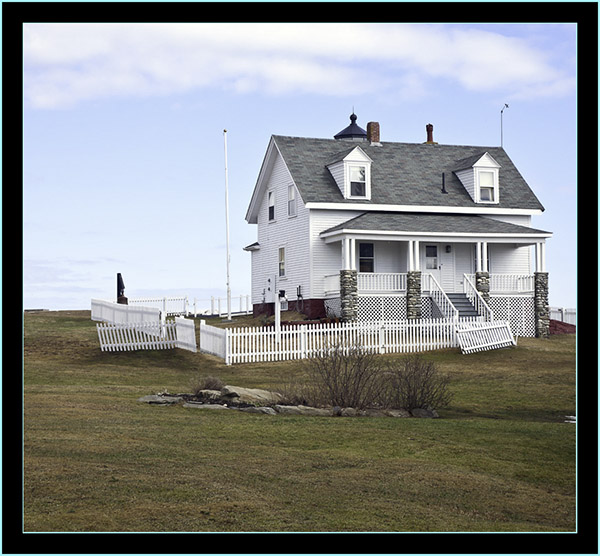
x=441, y=300
x=476, y=300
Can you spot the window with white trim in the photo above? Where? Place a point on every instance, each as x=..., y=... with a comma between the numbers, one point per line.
x=271, y=205
x=281, y=262
x=358, y=181
x=487, y=185
x=366, y=257
x=291, y=200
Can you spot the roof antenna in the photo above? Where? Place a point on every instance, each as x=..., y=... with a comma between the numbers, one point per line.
x=501, y=127
x=444, y=183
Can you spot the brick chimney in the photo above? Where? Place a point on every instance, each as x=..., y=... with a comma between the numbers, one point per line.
x=373, y=133
x=430, y=141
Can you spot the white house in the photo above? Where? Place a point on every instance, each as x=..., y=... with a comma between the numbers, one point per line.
x=361, y=228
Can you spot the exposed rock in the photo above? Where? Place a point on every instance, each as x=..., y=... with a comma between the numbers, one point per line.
x=160, y=399
x=250, y=395
x=424, y=413
x=204, y=405
x=264, y=410
x=213, y=395
x=397, y=413
x=302, y=410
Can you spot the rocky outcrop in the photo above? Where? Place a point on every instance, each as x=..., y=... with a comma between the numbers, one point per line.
x=265, y=402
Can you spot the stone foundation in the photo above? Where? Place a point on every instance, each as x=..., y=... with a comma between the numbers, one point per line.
x=542, y=310
x=349, y=295
x=482, y=285
x=413, y=294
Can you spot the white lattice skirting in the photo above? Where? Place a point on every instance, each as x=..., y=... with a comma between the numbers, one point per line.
x=519, y=311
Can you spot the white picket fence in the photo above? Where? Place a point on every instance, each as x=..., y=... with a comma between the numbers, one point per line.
x=109, y=311
x=128, y=336
x=483, y=336
x=563, y=314
x=181, y=305
x=257, y=344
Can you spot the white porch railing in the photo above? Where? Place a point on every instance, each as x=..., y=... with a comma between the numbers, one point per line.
x=381, y=281
x=509, y=283
x=441, y=300
x=476, y=300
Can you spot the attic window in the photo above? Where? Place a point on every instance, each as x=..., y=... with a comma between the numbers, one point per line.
x=271, y=205
x=487, y=186
x=358, y=181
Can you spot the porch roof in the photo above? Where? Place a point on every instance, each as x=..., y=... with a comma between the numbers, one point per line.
x=427, y=224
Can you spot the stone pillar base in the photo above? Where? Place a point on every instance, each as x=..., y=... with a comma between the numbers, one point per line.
x=349, y=295
x=413, y=294
x=482, y=285
x=542, y=310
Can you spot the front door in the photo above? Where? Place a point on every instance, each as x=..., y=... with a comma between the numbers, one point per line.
x=439, y=262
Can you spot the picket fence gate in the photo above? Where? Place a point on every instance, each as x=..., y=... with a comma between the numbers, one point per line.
x=258, y=344
x=129, y=336
x=484, y=336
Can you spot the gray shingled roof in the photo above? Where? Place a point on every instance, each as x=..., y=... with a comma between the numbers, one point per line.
x=401, y=173
x=435, y=223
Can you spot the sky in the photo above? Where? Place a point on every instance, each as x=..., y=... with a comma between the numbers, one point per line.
x=123, y=143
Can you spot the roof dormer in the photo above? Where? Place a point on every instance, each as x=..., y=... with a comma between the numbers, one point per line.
x=479, y=175
x=352, y=174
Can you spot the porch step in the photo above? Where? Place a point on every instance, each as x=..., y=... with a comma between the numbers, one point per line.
x=462, y=304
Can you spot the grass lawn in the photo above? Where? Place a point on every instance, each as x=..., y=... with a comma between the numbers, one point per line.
x=500, y=458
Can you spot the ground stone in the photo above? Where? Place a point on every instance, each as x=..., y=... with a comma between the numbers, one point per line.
x=159, y=399
x=249, y=395
x=204, y=405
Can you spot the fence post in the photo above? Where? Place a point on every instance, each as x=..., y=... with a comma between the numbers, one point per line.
x=200, y=329
x=227, y=346
x=302, y=341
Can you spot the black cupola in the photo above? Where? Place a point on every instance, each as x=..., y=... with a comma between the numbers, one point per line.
x=353, y=132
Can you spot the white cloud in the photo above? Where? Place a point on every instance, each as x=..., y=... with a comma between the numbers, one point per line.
x=65, y=64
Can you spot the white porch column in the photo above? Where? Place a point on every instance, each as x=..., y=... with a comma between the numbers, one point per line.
x=478, y=257
x=353, y=254
x=345, y=253
x=411, y=255
x=484, y=257
x=540, y=257
x=416, y=255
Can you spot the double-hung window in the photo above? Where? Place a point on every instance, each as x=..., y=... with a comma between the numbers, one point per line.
x=366, y=257
x=291, y=200
x=358, y=181
x=281, y=261
x=486, y=187
x=271, y=205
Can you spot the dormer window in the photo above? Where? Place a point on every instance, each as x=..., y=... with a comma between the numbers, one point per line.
x=352, y=174
x=480, y=176
x=487, y=185
x=358, y=181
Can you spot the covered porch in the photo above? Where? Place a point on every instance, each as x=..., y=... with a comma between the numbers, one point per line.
x=449, y=258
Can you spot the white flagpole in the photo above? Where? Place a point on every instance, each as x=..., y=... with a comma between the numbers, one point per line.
x=227, y=226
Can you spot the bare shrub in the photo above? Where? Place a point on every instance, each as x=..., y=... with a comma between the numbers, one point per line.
x=205, y=383
x=344, y=375
x=416, y=383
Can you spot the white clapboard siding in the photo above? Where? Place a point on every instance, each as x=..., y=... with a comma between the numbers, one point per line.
x=484, y=336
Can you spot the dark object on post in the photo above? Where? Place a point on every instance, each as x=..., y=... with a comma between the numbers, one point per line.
x=121, y=290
